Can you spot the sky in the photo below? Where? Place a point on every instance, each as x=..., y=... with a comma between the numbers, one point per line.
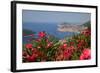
x=31, y=16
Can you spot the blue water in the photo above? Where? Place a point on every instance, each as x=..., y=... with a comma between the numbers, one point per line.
x=50, y=28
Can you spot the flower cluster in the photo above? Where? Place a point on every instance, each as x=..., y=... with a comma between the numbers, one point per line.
x=86, y=54
x=46, y=48
x=86, y=32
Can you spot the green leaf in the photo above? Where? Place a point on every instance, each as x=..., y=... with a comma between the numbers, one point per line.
x=24, y=48
x=43, y=42
x=75, y=56
x=38, y=59
x=29, y=51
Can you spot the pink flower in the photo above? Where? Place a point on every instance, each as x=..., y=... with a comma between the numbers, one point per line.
x=28, y=46
x=86, y=32
x=86, y=54
x=49, y=45
x=34, y=50
x=24, y=54
x=42, y=34
x=71, y=43
x=32, y=58
x=82, y=57
x=38, y=47
x=68, y=52
x=80, y=44
x=64, y=46
x=38, y=40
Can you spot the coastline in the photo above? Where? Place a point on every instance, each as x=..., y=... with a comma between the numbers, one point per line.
x=70, y=28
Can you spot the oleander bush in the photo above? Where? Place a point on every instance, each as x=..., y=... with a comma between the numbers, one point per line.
x=49, y=48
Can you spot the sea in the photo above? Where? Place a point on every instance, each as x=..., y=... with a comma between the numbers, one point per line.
x=50, y=28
